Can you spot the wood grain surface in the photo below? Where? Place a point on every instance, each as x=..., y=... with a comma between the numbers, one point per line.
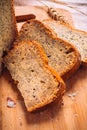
x=70, y=116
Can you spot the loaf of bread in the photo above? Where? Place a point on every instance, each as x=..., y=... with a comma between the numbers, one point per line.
x=8, y=29
x=63, y=57
x=76, y=37
x=38, y=83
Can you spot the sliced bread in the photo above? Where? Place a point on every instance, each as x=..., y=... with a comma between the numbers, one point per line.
x=8, y=29
x=76, y=37
x=63, y=57
x=38, y=83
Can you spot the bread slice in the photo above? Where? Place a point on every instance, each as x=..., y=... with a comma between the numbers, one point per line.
x=8, y=29
x=63, y=57
x=76, y=37
x=38, y=83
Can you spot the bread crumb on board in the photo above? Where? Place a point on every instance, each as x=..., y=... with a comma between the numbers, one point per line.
x=72, y=95
x=10, y=103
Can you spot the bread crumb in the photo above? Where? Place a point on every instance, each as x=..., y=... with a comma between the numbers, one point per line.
x=72, y=95
x=10, y=103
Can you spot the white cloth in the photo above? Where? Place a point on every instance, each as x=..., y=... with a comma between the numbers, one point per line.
x=80, y=20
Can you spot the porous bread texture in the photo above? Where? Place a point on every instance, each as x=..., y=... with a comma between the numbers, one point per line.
x=76, y=37
x=63, y=57
x=37, y=82
x=8, y=29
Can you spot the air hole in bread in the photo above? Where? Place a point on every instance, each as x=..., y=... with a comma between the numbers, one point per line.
x=60, y=49
x=34, y=89
x=32, y=70
x=42, y=81
x=25, y=29
x=70, y=50
x=13, y=62
x=22, y=58
x=28, y=22
x=34, y=96
x=49, y=55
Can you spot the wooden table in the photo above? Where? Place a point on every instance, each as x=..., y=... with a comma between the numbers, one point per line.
x=70, y=116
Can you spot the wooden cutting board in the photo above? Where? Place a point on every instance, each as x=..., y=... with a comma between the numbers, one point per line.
x=70, y=116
